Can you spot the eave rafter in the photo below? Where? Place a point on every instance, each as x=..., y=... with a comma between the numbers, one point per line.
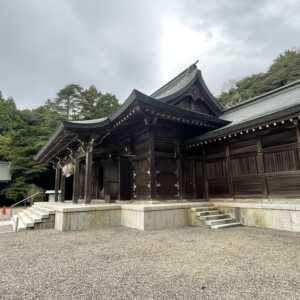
x=289, y=120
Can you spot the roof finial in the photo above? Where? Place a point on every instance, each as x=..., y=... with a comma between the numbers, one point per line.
x=192, y=67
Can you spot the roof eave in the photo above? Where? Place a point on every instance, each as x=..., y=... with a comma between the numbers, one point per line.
x=245, y=125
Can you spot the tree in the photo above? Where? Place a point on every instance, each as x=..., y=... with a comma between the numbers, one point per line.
x=67, y=101
x=93, y=104
x=24, y=132
x=285, y=69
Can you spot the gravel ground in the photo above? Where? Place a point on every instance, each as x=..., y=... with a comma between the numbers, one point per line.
x=189, y=263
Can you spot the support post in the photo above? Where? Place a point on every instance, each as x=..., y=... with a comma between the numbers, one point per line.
x=206, y=188
x=298, y=145
x=75, y=196
x=88, y=173
x=62, y=187
x=194, y=164
x=261, y=167
x=152, y=181
x=119, y=177
x=57, y=179
x=179, y=169
x=229, y=171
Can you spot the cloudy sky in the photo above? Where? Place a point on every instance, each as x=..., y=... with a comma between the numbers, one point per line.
x=126, y=44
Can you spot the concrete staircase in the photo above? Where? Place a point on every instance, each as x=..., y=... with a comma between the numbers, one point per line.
x=210, y=215
x=34, y=217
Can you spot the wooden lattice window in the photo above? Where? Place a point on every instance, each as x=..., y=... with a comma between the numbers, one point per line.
x=246, y=165
x=216, y=168
x=280, y=161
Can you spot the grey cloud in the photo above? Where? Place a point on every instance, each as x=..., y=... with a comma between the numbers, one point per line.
x=116, y=45
x=253, y=34
x=47, y=44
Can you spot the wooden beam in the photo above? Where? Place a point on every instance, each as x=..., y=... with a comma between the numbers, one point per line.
x=57, y=181
x=152, y=166
x=88, y=174
x=62, y=187
x=298, y=146
x=119, y=177
x=179, y=169
x=194, y=179
x=229, y=171
x=261, y=167
x=75, y=196
x=206, y=187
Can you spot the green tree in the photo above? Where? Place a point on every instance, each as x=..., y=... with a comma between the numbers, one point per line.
x=67, y=101
x=24, y=132
x=93, y=104
x=285, y=69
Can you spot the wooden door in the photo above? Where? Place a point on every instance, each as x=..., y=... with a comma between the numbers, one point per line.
x=199, y=180
x=111, y=179
x=126, y=175
x=187, y=178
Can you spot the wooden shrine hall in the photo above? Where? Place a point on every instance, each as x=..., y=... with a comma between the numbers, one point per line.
x=179, y=143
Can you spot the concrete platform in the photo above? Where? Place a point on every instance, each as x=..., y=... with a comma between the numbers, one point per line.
x=280, y=214
x=139, y=215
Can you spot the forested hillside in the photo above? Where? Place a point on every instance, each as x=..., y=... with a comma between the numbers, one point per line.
x=24, y=132
x=285, y=69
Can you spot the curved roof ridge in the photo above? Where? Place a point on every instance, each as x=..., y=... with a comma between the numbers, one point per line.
x=174, y=80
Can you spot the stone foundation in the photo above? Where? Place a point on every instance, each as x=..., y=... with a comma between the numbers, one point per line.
x=143, y=216
x=279, y=215
x=276, y=214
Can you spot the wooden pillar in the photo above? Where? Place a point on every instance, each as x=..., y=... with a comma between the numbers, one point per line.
x=57, y=181
x=88, y=174
x=179, y=170
x=194, y=165
x=75, y=196
x=206, y=188
x=152, y=167
x=119, y=177
x=298, y=146
x=229, y=171
x=62, y=187
x=261, y=167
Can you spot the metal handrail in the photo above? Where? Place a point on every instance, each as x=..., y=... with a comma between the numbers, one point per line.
x=24, y=200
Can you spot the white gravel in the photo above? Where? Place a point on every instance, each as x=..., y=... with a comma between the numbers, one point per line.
x=189, y=263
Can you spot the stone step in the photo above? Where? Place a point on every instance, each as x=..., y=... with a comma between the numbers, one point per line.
x=43, y=209
x=32, y=216
x=21, y=225
x=219, y=221
x=213, y=217
x=204, y=208
x=226, y=225
x=39, y=214
x=208, y=212
x=25, y=221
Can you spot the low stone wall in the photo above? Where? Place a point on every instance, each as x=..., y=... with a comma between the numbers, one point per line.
x=142, y=216
x=78, y=217
x=156, y=216
x=266, y=214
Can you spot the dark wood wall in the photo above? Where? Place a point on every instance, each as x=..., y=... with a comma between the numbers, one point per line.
x=250, y=165
x=149, y=162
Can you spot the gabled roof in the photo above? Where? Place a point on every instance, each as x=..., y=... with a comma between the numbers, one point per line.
x=177, y=84
x=180, y=84
x=68, y=129
x=273, y=105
